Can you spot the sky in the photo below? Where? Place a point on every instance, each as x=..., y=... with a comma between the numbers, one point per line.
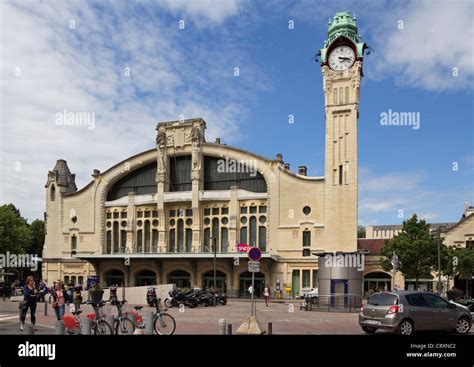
x=135, y=63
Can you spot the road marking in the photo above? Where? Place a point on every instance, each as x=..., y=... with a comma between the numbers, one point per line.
x=4, y=318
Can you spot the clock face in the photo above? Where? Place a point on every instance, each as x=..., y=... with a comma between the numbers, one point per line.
x=341, y=58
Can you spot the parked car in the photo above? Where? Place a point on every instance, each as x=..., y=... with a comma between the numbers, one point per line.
x=407, y=311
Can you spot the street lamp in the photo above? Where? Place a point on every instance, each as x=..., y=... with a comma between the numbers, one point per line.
x=440, y=284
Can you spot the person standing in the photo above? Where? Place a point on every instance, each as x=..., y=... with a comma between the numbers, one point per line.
x=60, y=299
x=30, y=297
x=266, y=294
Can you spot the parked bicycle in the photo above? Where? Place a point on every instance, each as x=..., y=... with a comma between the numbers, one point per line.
x=163, y=323
x=72, y=323
x=122, y=324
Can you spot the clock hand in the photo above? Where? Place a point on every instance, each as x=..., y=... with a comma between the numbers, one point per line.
x=344, y=58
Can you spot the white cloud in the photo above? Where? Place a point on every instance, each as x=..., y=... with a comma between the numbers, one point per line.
x=207, y=10
x=436, y=37
x=82, y=70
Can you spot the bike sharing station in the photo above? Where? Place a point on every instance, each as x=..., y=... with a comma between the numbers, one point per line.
x=251, y=325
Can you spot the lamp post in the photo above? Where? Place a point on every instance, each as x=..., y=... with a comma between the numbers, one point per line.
x=214, y=240
x=440, y=284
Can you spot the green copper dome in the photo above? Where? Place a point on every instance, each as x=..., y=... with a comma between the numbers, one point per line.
x=343, y=25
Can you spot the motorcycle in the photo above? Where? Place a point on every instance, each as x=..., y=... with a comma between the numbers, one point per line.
x=178, y=298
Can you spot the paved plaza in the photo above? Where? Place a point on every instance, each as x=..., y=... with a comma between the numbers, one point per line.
x=286, y=318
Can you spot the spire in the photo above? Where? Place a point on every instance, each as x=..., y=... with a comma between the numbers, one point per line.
x=65, y=180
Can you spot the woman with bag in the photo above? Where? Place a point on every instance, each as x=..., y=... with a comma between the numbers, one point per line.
x=30, y=297
x=60, y=298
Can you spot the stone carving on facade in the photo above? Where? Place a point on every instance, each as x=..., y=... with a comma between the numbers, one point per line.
x=161, y=158
x=196, y=152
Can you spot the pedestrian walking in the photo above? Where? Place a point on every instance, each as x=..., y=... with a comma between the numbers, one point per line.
x=60, y=298
x=266, y=294
x=30, y=298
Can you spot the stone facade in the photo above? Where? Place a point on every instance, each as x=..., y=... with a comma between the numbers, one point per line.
x=166, y=233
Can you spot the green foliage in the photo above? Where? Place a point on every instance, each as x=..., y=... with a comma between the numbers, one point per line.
x=416, y=248
x=360, y=232
x=16, y=235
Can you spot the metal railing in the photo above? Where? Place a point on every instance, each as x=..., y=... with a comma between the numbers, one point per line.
x=335, y=302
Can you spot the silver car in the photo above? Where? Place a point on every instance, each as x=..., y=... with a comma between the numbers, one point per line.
x=407, y=311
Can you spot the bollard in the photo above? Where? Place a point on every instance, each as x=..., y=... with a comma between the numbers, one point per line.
x=270, y=328
x=59, y=327
x=85, y=326
x=111, y=320
x=222, y=326
x=45, y=307
x=148, y=317
x=229, y=329
x=28, y=329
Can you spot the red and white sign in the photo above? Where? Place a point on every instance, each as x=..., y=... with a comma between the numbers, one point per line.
x=242, y=247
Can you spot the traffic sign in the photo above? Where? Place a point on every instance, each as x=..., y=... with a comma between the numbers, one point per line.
x=254, y=266
x=254, y=254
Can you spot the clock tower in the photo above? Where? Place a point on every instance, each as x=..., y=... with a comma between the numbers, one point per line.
x=341, y=65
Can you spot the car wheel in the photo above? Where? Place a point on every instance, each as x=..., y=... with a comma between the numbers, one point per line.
x=405, y=328
x=369, y=330
x=463, y=326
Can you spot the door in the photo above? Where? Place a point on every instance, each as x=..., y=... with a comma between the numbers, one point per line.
x=295, y=283
x=442, y=317
x=419, y=310
x=339, y=289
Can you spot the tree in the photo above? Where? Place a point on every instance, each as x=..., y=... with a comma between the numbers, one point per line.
x=15, y=235
x=360, y=232
x=37, y=237
x=416, y=248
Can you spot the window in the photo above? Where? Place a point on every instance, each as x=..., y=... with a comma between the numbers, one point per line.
x=262, y=238
x=340, y=174
x=189, y=239
x=116, y=215
x=243, y=235
x=189, y=212
x=52, y=195
x=244, y=177
x=306, y=279
x=306, y=238
x=171, y=245
x=215, y=234
x=225, y=239
x=253, y=231
x=315, y=279
x=180, y=173
x=123, y=241
x=80, y=279
x=109, y=242
x=306, y=210
x=116, y=236
x=139, y=240
x=73, y=243
x=207, y=239
x=253, y=209
x=124, y=215
x=66, y=279
x=243, y=210
x=215, y=211
x=141, y=181
x=180, y=235
x=225, y=210
x=147, y=235
x=434, y=301
x=262, y=209
x=207, y=211
x=416, y=299
x=155, y=240
x=383, y=299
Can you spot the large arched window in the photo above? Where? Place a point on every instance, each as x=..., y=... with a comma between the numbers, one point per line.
x=253, y=231
x=221, y=174
x=141, y=181
x=171, y=245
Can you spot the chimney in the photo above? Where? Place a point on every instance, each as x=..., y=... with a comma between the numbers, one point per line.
x=279, y=157
x=287, y=166
x=218, y=140
x=302, y=170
